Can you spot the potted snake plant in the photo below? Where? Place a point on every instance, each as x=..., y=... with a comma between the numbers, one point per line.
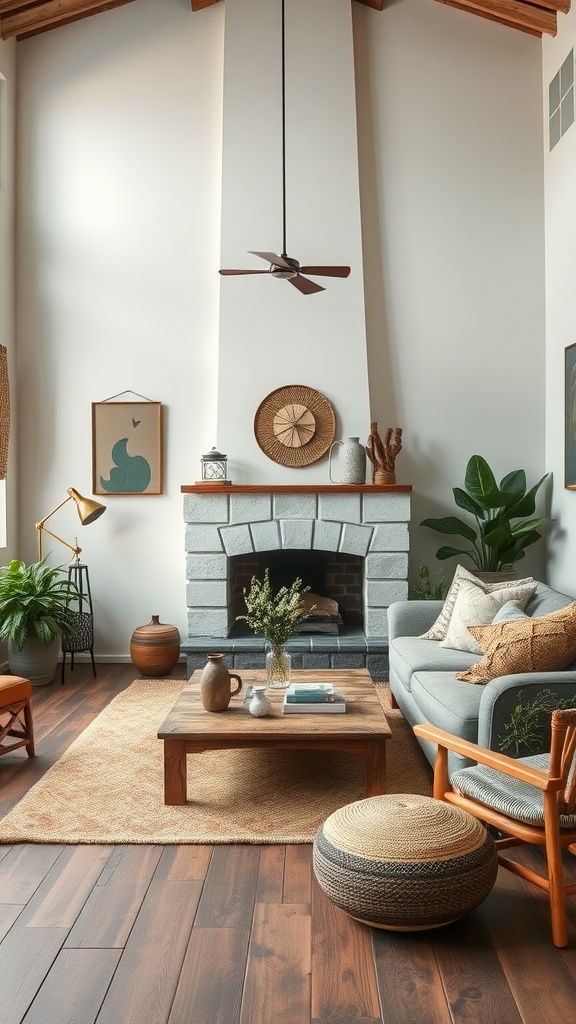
x=34, y=615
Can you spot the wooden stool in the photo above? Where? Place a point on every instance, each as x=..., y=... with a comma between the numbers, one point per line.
x=16, y=714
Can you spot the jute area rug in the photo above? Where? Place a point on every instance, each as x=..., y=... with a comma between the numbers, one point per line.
x=108, y=786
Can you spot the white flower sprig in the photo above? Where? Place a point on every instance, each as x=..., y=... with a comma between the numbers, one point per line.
x=274, y=616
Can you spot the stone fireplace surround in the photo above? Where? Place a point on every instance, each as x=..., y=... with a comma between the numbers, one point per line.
x=223, y=521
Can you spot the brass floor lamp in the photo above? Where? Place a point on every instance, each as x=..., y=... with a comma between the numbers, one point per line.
x=83, y=637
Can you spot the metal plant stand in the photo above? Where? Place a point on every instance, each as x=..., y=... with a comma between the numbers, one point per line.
x=83, y=638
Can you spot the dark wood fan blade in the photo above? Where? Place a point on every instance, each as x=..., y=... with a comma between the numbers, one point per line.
x=306, y=286
x=235, y=272
x=272, y=257
x=326, y=271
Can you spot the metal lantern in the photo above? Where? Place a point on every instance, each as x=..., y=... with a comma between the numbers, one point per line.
x=214, y=467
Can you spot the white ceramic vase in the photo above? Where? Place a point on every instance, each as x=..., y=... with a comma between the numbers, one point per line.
x=351, y=461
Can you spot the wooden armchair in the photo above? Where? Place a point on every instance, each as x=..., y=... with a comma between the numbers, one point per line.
x=530, y=799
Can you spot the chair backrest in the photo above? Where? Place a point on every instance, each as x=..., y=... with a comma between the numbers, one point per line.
x=562, y=748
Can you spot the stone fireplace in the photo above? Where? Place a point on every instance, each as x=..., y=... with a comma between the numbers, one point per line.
x=349, y=542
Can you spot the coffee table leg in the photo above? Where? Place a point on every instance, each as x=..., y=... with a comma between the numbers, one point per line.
x=174, y=772
x=375, y=758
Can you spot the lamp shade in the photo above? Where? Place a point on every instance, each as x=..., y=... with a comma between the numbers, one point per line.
x=88, y=509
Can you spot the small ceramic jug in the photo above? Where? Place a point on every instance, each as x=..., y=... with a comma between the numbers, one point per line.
x=215, y=690
x=351, y=460
x=260, y=704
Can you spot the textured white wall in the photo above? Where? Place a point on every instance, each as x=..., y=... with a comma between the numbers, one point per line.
x=8, y=493
x=270, y=334
x=119, y=173
x=119, y=244
x=450, y=114
x=560, y=172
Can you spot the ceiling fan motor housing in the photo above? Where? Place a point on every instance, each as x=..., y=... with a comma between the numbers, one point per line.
x=285, y=273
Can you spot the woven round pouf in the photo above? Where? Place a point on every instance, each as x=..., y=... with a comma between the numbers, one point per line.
x=404, y=862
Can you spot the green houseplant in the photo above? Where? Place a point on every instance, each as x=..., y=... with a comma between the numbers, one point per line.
x=502, y=513
x=34, y=614
x=275, y=616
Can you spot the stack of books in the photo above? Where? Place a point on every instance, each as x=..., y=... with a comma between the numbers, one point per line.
x=313, y=698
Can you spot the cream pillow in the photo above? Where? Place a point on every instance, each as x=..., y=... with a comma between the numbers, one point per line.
x=543, y=644
x=440, y=628
x=475, y=608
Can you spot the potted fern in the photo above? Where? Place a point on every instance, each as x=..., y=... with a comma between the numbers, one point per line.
x=34, y=614
x=275, y=617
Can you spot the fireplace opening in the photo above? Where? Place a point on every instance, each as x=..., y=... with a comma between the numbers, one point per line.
x=339, y=577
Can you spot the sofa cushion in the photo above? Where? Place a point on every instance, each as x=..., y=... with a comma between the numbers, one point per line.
x=408, y=654
x=544, y=644
x=448, y=703
x=439, y=629
x=546, y=600
x=473, y=607
x=509, y=612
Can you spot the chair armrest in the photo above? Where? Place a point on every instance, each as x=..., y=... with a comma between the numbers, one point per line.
x=410, y=618
x=491, y=758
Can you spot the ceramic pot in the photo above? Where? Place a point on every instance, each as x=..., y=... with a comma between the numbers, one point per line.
x=35, y=661
x=351, y=461
x=155, y=648
x=215, y=690
x=260, y=704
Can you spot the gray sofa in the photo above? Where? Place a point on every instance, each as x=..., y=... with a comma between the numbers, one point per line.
x=423, y=684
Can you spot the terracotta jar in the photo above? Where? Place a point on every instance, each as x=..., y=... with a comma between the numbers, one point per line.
x=155, y=648
x=215, y=690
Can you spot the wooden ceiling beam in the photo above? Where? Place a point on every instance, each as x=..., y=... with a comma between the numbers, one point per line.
x=490, y=17
x=32, y=19
x=199, y=5
x=514, y=13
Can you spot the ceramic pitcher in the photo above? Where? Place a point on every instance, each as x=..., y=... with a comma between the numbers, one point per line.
x=215, y=690
x=351, y=460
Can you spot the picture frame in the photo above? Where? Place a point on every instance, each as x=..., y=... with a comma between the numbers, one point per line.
x=127, y=448
x=570, y=417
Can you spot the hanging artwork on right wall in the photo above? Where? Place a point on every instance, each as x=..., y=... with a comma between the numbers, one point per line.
x=570, y=417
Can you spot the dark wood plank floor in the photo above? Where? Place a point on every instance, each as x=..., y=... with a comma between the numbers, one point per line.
x=241, y=934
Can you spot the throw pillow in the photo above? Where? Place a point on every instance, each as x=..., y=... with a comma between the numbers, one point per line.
x=508, y=612
x=543, y=644
x=475, y=608
x=440, y=628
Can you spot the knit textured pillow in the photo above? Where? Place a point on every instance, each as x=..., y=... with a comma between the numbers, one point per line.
x=440, y=628
x=543, y=644
x=474, y=608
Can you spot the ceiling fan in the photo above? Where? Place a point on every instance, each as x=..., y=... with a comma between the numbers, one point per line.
x=284, y=267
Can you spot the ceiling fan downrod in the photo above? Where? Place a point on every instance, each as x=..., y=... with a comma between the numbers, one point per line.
x=282, y=266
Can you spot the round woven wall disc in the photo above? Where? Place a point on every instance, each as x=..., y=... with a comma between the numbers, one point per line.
x=295, y=425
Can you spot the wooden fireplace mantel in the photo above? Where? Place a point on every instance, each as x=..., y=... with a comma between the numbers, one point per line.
x=200, y=487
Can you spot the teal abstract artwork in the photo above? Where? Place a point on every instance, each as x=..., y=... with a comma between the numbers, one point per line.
x=130, y=473
x=127, y=447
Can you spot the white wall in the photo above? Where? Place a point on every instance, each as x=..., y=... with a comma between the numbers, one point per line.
x=270, y=334
x=7, y=296
x=119, y=170
x=452, y=189
x=560, y=172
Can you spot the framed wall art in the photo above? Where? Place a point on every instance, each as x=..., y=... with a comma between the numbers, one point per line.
x=127, y=447
x=570, y=417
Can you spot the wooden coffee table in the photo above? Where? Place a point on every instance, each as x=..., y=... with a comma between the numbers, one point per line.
x=363, y=729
